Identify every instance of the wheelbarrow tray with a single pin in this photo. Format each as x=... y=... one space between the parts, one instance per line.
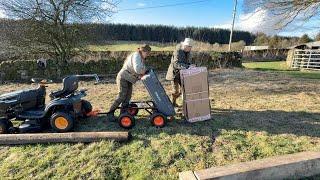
x=158 y=94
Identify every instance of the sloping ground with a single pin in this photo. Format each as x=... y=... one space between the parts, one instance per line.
x=255 y=115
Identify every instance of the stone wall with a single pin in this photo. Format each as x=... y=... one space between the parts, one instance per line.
x=103 y=63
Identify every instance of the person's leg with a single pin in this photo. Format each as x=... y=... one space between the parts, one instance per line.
x=175 y=92
x=126 y=102
x=123 y=91
x=179 y=88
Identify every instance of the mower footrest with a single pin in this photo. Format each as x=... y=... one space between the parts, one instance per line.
x=31 y=115
x=29 y=128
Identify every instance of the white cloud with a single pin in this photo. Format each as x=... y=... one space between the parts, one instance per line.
x=223 y=26
x=2 y=14
x=141 y=4
x=258 y=21
x=262 y=21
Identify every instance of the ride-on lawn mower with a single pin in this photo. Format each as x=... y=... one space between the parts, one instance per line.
x=65 y=107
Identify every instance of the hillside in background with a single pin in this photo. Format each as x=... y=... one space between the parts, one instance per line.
x=97 y=33
x=13 y=32
x=161 y=33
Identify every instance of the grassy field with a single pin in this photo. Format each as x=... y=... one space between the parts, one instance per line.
x=280 y=66
x=128 y=47
x=132 y=46
x=255 y=114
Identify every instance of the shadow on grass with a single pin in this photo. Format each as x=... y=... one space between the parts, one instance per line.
x=274 y=122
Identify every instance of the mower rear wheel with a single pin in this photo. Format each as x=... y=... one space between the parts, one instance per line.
x=158 y=120
x=132 y=109
x=126 y=121
x=4 y=126
x=86 y=108
x=61 y=122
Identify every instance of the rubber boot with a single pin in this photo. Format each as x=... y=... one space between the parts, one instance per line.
x=174 y=101
x=124 y=109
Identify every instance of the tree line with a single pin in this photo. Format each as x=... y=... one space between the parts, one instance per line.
x=11 y=30
x=162 y=33
x=277 y=41
x=96 y=33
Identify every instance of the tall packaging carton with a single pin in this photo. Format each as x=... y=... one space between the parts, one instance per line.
x=195 y=90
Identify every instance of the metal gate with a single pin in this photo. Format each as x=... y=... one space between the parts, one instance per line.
x=306 y=59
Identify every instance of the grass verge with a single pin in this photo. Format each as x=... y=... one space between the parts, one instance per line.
x=280 y=66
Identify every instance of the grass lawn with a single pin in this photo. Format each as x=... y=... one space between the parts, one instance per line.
x=128 y=46
x=255 y=114
x=280 y=66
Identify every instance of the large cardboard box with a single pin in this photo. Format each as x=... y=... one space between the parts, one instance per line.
x=195 y=90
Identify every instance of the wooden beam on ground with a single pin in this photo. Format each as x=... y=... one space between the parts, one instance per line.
x=187 y=175
x=73 y=137
x=291 y=166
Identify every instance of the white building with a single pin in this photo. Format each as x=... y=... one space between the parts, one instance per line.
x=254 y=48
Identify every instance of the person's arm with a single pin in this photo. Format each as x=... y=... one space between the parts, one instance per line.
x=138 y=65
x=178 y=60
x=191 y=60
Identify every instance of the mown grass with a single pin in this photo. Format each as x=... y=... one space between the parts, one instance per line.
x=255 y=115
x=128 y=47
x=280 y=66
x=156 y=46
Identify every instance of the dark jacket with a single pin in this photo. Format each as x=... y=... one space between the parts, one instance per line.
x=179 y=60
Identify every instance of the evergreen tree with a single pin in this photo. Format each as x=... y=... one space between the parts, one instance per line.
x=304 y=39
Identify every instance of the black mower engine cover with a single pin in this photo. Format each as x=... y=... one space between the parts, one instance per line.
x=28 y=99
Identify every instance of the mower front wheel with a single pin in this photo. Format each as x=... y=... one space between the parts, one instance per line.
x=61 y=122
x=158 y=120
x=126 y=121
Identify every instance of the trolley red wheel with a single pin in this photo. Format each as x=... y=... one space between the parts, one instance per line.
x=158 y=120
x=126 y=121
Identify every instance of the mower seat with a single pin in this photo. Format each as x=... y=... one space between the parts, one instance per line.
x=70 y=85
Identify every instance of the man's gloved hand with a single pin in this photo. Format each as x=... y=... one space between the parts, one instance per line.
x=184 y=67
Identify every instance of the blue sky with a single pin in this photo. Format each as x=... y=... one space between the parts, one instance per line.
x=211 y=13
x=208 y=13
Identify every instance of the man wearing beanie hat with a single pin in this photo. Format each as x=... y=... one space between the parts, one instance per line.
x=132 y=70
x=181 y=59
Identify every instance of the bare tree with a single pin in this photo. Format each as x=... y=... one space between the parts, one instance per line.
x=317 y=38
x=287 y=11
x=51 y=26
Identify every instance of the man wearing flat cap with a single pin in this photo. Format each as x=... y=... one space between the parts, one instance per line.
x=181 y=59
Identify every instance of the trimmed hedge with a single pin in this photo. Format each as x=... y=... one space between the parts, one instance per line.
x=103 y=63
